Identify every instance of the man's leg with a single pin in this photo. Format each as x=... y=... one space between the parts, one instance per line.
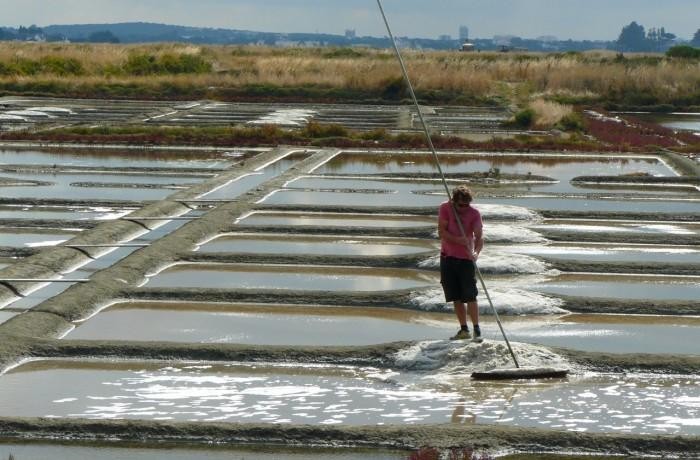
x=461 y=312
x=473 y=310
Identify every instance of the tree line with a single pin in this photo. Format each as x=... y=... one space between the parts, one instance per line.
x=634 y=38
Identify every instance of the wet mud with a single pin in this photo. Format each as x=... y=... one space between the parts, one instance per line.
x=393 y=437
x=48 y=223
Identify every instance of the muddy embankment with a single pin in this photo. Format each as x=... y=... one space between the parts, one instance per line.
x=479 y=437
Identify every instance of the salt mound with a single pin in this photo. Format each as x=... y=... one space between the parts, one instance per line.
x=285 y=117
x=459 y=358
x=504 y=233
x=506 y=300
x=500 y=264
x=506 y=212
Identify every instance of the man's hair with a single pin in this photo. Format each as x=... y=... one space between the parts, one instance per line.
x=462 y=193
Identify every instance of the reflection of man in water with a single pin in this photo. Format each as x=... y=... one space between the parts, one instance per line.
x=457 y=256
x=459 y=416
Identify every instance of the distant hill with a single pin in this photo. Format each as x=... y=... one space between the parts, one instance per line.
x=139 y=32
x=146 y=32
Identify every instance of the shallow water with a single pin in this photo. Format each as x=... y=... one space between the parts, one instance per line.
x=635 y=287
x=237 y=276
x=242 y=184
x=330 y=395
x=334 y=220
x=609 y=226
x=606 y=252
x=257 y=325
x=116 y=159
x=562 y=167
x=606 y=333
x=23 y=237
x=105 y=259
x=5 y=315
x=61 y=186
x=298 y=244
x=325 y=198
x=61 y=213
x=407 y=185
x=582 y=204
x=676 y=121
x=121 y=451
x=340 y=326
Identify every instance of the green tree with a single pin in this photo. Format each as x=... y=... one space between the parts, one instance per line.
x=633 y=38
x=683 y=51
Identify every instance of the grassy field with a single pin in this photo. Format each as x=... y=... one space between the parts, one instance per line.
x=178 y=71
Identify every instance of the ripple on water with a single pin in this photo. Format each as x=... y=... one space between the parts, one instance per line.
x=326 y=395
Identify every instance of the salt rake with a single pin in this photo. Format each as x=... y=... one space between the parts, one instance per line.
x=493 y=374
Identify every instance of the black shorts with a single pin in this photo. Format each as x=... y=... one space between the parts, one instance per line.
x=458 y=279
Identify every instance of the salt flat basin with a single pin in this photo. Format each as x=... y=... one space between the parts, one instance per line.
x=112 y=451
x=339 y=326
x=61 y=186
x=61 y=213
x=246 y=182
x=330 y=198
x=5 y=315
x=327 y=395
x=687 y=121
x=408 y=185
x=661 y=205
x=261 y=324
x=561 y=166
x=612 y=226
x=24 y=237
x=316 y=219
x=632 y=287
x=605 y=333
x=106 y=259
x=116 y=159
x=607 y=252
x=237 y=276
x=330 y=245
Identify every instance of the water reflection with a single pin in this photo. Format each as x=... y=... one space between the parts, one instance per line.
x=298 y=244
x=328 y=395
x=316 y=219
x=563 y=167
x=236 y=276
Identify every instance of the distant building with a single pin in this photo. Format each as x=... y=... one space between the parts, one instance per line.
x=445 y=38
x=466 y=46
x=350 y=34
x=503 y=40
x=463 y=33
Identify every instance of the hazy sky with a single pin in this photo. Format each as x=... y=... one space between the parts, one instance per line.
x=577 y=19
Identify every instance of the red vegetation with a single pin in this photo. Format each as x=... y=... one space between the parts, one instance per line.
x=632 y=134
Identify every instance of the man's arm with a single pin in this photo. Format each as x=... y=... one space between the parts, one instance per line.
x=478 y=240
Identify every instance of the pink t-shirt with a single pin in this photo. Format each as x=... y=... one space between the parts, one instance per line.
x=471 y=221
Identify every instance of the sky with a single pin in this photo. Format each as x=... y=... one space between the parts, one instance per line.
x=575 y=19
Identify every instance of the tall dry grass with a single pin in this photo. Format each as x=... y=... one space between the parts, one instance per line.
x=549 y=113
x=591 y=75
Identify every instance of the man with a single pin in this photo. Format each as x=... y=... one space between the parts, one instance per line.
x=458 y=255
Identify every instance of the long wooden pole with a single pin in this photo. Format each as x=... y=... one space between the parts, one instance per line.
x=442 y=175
